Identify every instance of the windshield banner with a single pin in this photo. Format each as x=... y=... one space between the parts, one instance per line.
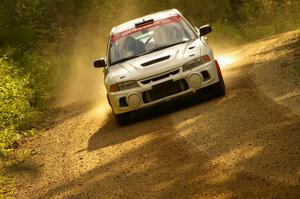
x=173 y=19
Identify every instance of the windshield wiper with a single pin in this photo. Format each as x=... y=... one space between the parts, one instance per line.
x=126 y=59
x=164 y=47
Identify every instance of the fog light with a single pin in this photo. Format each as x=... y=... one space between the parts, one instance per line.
x=134 y=100
x=195 y=80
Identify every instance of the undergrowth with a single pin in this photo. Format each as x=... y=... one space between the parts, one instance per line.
x=296 y=65
x=17 y=117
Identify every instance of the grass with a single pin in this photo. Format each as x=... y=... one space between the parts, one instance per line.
x=6 y=187
x=10 y=139
x=297 y=56
x=297 y=66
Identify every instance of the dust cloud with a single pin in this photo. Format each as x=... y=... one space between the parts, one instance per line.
x=85 y=83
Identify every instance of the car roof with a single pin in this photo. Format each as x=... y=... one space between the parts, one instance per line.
x=155 y=16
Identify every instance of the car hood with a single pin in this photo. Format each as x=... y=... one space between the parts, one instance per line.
x=155 y=63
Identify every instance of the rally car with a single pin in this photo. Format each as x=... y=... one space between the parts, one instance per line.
x=156 y=58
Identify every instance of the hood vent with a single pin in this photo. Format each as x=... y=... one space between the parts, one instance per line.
x=157 y=78
x=155 y=61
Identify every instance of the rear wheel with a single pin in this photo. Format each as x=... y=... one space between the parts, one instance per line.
x=123 y=119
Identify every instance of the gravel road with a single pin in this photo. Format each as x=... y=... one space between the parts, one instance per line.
x=244 y=145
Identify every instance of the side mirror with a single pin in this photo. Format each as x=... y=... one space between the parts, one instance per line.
x=99 y=63
x=204 y=30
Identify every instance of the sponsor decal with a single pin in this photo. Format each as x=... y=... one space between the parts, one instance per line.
x=173 y=19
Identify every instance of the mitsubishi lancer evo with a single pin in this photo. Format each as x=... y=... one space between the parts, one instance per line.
x=156 y=58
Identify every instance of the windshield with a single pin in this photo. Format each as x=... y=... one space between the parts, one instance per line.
x=148 y=38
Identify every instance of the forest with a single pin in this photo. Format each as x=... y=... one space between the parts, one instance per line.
x=40 y=39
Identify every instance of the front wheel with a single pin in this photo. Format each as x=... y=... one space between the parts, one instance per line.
x=218 y=89
x=123 y=119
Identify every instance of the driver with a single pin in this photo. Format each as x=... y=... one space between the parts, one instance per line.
x=132 y=47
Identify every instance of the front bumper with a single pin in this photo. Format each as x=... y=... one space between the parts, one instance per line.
x=163 y=87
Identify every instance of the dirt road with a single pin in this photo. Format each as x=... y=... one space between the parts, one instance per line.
x=244 y=145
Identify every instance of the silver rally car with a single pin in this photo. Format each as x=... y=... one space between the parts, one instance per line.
x=156 y=58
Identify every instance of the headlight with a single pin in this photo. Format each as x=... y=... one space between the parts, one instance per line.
x=123 y=86
x=196 y=62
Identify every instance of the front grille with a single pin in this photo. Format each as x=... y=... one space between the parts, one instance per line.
x=165 y=89
x=160 y=77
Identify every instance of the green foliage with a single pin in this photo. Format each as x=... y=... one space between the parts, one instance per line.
x=15 y=96
x=16 y=113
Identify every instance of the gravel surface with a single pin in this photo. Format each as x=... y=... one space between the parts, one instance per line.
x=244 y=145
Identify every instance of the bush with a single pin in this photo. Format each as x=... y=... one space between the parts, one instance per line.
x=15 y=96
x=15 y=110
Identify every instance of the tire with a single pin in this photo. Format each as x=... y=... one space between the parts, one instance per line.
x=123 y=119
x=218 y=89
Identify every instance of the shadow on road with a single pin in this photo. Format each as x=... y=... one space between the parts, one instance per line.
x=110 y=134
